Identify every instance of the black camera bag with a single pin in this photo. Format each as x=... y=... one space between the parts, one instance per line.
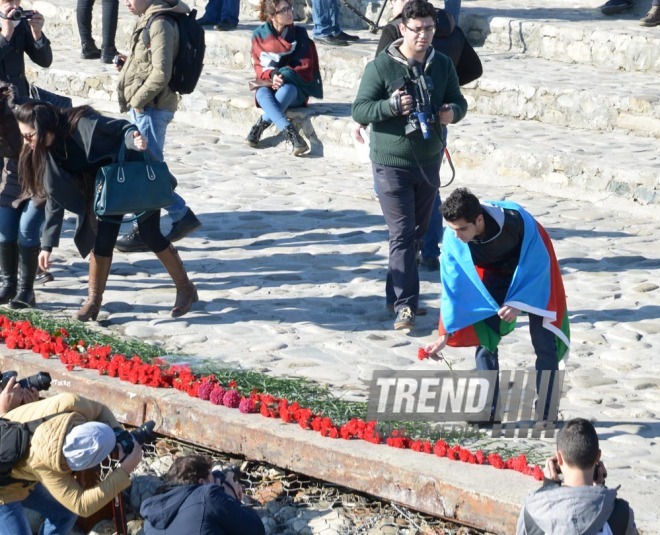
x=15 y=440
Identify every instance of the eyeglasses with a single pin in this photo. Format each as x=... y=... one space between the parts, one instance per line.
x=29 y=136
x=284 y=10
x=423 y=29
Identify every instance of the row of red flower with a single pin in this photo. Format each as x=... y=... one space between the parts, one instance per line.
x=159 y=374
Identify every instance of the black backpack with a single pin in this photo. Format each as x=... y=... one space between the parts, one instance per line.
x=189 y=59
x=15 y=440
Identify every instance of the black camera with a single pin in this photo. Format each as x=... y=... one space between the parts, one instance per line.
x=20 y=13
x=418 y=87
x=40 y=381
x=142 y=434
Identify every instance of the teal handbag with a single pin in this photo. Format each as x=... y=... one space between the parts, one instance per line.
x=132 y=186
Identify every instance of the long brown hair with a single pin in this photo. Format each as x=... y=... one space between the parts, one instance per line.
x=45 y=119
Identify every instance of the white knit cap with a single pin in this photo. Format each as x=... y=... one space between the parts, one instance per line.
x=86 y=445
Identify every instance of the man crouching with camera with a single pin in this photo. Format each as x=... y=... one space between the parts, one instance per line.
x=76 y=434
x=574 y=498
x=407 y=93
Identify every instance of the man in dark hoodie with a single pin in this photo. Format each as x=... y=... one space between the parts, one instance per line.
x=580 y=504
x=194 y=501
x=406 y=154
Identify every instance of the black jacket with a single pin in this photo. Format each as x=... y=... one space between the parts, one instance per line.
x=94 y=143
x=198 y=510
x=12 y=71
x=12 y=59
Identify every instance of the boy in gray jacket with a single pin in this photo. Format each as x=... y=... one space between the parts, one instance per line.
x=580 y=504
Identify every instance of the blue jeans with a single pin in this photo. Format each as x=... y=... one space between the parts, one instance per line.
x=58 y=520
x=221 y=11
x=453 y=7
x=325 y=14
x=22 y=224
x=152 y=124
x=275 y=103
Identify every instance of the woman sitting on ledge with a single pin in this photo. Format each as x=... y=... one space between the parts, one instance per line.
x=285 y=61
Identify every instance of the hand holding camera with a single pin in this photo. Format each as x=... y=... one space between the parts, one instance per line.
x=119 y=61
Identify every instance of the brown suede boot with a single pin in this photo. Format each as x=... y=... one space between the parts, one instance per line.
x=99 y=269
x=186 y=293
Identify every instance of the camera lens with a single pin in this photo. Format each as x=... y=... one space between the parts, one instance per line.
x=144 y=433
x=40 y=381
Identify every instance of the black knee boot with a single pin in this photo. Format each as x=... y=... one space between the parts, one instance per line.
x=28 y=260
x=109 y=30
x=9 y=268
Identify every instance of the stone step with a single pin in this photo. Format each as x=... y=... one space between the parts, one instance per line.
x=567 y=31
x=610 y=164
x=513 y=85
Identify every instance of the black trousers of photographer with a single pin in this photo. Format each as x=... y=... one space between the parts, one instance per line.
x=406 y=196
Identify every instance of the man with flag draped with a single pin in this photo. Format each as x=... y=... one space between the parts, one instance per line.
x=498 y=261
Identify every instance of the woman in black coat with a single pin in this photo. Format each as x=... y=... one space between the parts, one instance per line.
x=62 y=152
x=20 y=217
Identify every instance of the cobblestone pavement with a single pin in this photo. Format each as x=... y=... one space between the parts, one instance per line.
x=290 y=266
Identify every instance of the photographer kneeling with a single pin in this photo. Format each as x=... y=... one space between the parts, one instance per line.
x=196 y=500
x=79 y=438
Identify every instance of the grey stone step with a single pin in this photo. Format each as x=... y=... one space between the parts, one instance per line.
x=565 y=31
x=611 y=164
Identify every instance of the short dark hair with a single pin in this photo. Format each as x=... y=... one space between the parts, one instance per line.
x=461 y=204
x=578 y=443
x=417 y=9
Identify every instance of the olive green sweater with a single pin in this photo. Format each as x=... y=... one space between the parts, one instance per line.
x=389 y=144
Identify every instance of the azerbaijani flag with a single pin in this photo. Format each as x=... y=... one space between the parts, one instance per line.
x=536 y=288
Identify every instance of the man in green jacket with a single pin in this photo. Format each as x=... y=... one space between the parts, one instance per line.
x=143 y=91
x=406 y=145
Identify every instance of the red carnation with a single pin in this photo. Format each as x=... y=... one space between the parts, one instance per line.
x=422 y=354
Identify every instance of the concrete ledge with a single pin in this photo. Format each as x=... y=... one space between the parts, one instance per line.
x=479 y=496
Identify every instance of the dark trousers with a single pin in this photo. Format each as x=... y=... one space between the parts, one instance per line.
x=108 y=19
x=149 y=225
x=406 y=197
x=543 y=340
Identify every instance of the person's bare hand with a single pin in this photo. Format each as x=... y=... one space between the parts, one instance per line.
x=551 y=469
x=140 y=141
x=133 y=459
x=36 y=24
x=357 y=133
x=600 y=473
x=6 y=26
x=44 y=260
x=11 y=396
x=446 y=115
x=433 y=349
x=122 y=59
x=278 y=81
x=508 y=314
